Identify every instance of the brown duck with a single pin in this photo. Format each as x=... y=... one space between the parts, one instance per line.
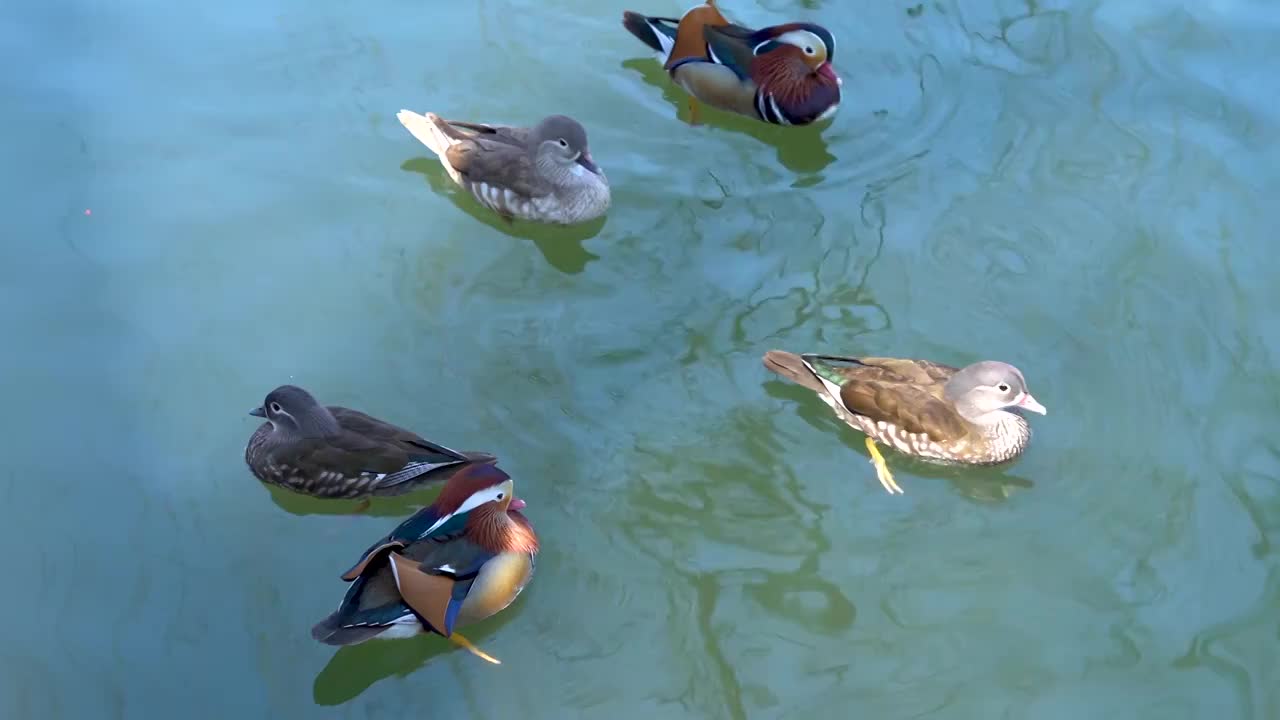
x=922 y=408
x=337 y=452
x=541 y=174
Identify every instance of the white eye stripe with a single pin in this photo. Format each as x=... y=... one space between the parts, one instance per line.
x=476 y=500
x=808 y=42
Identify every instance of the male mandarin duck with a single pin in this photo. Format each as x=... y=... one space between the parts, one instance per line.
x=780 y=74
x=921 y=408
x=542 y=174
x=462 y=559
x=336 y=452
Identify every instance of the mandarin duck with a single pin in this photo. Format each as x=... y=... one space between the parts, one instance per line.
x=921 y=408
x=460 y=560
x=336 y=452
x=780 y=74
x=543 y=174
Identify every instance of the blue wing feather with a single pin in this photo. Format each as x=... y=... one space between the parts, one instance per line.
x=732 y=46
x=412 y=530
x=455 y=605
x=464 y=561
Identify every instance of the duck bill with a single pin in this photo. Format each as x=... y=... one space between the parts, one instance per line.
x=829 y=72
x=258 y=412
x=516 y=504
x=1029 y=403
x=584 y=159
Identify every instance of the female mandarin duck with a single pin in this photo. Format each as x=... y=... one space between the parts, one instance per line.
x=921 y=408
x=542 y=174
x=336 y=452
x=780 y=74
x=460 y=560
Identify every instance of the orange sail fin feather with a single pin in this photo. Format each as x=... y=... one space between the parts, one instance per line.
x=691 y=41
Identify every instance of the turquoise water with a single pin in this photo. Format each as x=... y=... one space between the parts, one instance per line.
x=206 y=201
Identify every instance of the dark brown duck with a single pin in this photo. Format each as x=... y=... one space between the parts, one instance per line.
x=336 y=452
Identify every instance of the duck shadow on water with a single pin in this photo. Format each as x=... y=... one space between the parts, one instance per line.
x=982 y=484
x=397 y=506
x=801 y=150
x=560 y=245
x=356 y=668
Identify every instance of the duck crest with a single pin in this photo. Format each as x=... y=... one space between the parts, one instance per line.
x=771 y=33
x=466 y=483
x=790 y=93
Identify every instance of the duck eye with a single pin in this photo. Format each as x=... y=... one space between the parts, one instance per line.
x=275 y=407
x=808 y=50
x=563 y=143
x=1002 y=387
x=501 y=495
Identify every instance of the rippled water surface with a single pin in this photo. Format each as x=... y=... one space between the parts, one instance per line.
x=205 y=200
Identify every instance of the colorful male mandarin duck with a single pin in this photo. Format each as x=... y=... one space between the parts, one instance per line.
x=543 y=174
x=335 y=452
x=921 y=408
x=780 y=74
x=462 y=559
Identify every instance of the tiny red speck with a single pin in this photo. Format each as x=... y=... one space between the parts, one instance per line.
x=87 y=211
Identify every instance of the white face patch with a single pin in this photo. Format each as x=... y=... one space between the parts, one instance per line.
x=489 y=494
x=803 y=39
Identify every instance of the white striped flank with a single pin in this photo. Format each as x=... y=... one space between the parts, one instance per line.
x=777 y=111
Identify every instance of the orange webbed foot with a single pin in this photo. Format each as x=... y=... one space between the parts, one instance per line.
x=465 y=643
x=695 y=117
